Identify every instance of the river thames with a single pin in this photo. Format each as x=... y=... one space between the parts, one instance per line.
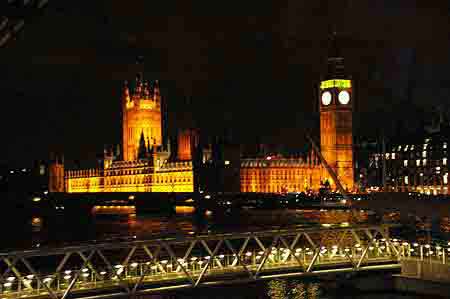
x=123 y=223
x=111 y=224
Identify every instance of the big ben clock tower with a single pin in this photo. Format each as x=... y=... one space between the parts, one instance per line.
x=336 y=108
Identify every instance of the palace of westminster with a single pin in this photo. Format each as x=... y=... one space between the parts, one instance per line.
x=148 y=165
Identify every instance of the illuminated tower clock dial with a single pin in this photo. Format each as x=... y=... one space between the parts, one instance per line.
x=344 y=97
x=326 y=98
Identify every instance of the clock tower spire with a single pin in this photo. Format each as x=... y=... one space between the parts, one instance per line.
x=336 y=117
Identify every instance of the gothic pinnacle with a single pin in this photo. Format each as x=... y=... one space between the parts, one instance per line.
x=146 y=92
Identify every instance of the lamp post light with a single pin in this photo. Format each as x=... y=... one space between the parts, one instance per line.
x=119 y=269
x=193 y=263
x=7 y=286
x=222 y=258
x=133 y=268
x=47 y=281
x=102 y=275
x=164 y=265
x=84 y=274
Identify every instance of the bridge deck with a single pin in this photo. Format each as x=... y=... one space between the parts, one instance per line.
x=108 y=270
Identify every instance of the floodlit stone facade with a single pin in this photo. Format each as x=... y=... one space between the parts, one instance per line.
x=145 y=165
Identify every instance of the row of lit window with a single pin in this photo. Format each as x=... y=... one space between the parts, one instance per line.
x=393 y=156
x=147 y=180
x=411 y=148
x=444 y=179
x=424 y=162
x=429 y=190
x=265 y=188
x=263 y=171
x=272 y=180
x=290 y=175
x=256 y=188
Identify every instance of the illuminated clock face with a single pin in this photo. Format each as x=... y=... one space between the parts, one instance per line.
x=326 y=98
x=344 y=97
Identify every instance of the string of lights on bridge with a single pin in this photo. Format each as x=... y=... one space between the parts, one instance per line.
x=196 y=267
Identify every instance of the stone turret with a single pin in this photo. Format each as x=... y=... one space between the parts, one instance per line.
x=141 y=114
x=56 y=181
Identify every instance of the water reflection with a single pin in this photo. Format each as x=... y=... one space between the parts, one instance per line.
x=36 y=224
x=445 y=224
x=317 y=289
x=107 y=224
x=282 y=289
x=301 y=288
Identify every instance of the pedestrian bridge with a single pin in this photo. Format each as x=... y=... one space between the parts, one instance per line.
x=122 y=269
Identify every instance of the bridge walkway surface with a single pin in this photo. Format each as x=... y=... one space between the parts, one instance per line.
x=112 y=270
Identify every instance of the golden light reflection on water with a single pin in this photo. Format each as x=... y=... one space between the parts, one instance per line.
x=282 y=289
x=343 y=216
x=183 y=210
x=445 y=225
x=126 y=223
x=36 y=221
x=113 y=210
x=36 y=224
x=146 y=227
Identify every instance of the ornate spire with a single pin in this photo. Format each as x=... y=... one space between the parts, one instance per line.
x=156 y=93
x=334 y=50
x=142 y=151
x=151 y=153
x=146 y=92
x=149 y=147
x=335 y=59
x=126 y=91
x=138 y=89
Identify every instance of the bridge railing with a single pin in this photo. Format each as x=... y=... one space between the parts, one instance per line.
x=188 y=261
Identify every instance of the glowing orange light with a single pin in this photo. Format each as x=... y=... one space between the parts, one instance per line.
x=184 y=209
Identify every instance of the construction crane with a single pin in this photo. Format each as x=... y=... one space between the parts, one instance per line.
x=14 y=14
x=330 y=170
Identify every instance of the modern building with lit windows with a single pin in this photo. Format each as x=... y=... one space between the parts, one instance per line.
x=419 y=165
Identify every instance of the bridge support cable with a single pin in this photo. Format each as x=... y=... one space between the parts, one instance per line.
x=367 y=248
x=313 y=261
x=241 y=251
x=142 y=267
x=112 y=270
x=238 y=257
x=211 y=258
x=310 y=241
x=146 y=271
x=180 y=263
x=212 y=255
x=40 y=281
x=11 y=267
x=187 y=253
x=291 y=248
x=77 y=275
x=61 y=264
x=389 y=244
x=265 y=256
x=154 y=257
x=88 y=264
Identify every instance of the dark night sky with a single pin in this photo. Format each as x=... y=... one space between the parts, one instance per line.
x=249 y=67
